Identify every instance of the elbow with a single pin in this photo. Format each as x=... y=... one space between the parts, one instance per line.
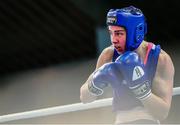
x=87 y=99
x=84 y=100
x=82 y=97
x=162 y=115
x=85 y=96
x=165 y=114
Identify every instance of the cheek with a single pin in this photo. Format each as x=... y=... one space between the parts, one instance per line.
x=122 y=40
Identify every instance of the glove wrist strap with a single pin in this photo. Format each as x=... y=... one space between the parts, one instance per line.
x=94 y=90
x=142 y=91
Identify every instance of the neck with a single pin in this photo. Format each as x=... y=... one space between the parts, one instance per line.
x=141 y=47
x=141 y=50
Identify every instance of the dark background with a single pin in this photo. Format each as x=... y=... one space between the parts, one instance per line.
x=36 y=34
x=39 y=33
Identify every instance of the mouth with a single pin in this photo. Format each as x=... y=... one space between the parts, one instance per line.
x=118 y=48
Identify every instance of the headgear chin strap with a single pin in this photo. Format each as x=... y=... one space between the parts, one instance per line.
x=133 y=20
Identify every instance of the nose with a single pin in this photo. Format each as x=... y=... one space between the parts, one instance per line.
x=114 y=40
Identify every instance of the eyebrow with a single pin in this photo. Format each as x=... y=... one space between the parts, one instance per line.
x=118 y=31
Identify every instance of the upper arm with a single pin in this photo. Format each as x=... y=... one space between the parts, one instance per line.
x=164 y=78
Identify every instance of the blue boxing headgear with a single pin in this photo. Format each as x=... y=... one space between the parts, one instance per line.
x=133 y=20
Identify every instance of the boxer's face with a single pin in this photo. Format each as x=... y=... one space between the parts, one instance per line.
x=118 y=37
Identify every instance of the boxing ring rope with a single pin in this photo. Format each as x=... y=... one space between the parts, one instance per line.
x=63 y=109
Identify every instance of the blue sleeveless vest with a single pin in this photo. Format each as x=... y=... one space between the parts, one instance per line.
x=123 y=98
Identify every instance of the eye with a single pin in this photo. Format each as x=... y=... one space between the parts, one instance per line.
x=119 y=34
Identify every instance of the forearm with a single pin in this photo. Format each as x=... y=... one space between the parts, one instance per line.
x=85 y=95
x=156 y=106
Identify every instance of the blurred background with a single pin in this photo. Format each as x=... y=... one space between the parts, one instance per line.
x=48 y=48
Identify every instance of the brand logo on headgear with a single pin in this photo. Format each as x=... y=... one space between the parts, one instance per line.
x=111 y=20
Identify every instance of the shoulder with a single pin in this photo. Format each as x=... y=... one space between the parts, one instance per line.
x=165 y=64
x=105 y=56
x=108 y=52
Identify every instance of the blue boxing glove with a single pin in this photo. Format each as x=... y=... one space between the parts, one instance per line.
x=104 y=76
x=134 y=73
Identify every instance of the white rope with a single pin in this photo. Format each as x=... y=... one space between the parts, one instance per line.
x=63 y=109
x=176 y=91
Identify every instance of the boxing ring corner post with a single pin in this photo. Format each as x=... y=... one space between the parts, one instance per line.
x=63 y=109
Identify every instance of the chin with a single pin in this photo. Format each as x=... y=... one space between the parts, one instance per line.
x=120 y=51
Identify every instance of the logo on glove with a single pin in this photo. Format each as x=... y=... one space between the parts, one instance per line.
x=138 y=72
